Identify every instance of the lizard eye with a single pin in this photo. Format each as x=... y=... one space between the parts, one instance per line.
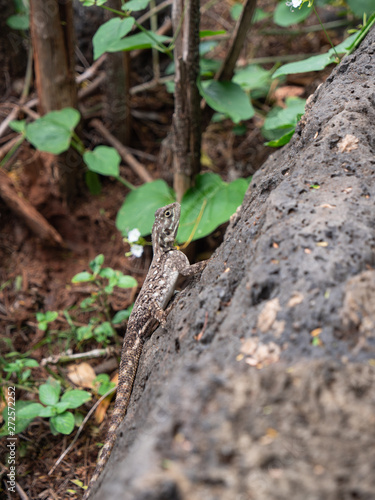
x=168 y=213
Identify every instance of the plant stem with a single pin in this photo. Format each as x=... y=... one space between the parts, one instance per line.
x=12 y=150
x=327 y=35
x=126 y=183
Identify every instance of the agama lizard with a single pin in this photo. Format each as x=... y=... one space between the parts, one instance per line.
x=167 y=263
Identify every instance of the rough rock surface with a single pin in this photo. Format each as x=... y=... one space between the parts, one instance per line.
x=262 y=386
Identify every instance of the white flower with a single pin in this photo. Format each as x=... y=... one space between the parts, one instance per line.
x=294 y=3
x=136 y=250
x=134 y=235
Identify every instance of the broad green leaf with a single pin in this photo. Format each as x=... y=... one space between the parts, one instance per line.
x=21 y=422
x=103 y=160
x=120 y=316
x=75 y=398
x=50 y=316
x=211 y=199
x=135 y=5
x=19 y=21
x=228 y=98
x=206 y=46
x=31 y=363
x=315 y=63
x=360 y=7
x=284 y=139
x=141 y=41
x=49 y=393
x=104 y=331
x=107 y=272
x=96 y=264
x=64 y=422
x=60 y=407
x=204 y=33
x=235 y=11
x=109 y=34
x=47 y=411
x=30 y=411
x=285 y=16
x=252 y=77
x=343 y=47
x=82 y=277
x=18 y=125
x=127 y=282
x=84 y=332
x=52 y=132
x=139 y=207
x=282 y=118
x=89 y=3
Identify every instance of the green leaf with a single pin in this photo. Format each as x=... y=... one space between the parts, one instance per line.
x=360 y=7
x=108 y=36
x=206 y=46
x=204 y=33
x=52 y=132
x=49 y=393
x=30 y=411
x=141 y=41
x=75 y=398
x=50 y=316
x=64 y=422
x=105 y=384
x=47 y=411
x=104 y=331
x=31 y=363
x=21 y=421
x=213 y=200
x=84 y=332
x=139 y=208
x=107 y=272
x=135 y=5
x=315 y=63
x=82 y=277
x=228 y=98
x=61 y=406
x=284 y=139
x=252 y=77
x=281 y=118
x=121 y=316
x=18 y=126
x=19 y=21
x=96 y=264
x=93 y=182
x=88 y=302
x=127 y=282
x=103 y=160
x=284 y=16
x=235 y=11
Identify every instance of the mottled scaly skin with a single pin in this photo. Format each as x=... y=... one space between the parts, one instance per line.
x=166 y=265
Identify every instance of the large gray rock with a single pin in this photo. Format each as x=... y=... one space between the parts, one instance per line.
x=262 y=386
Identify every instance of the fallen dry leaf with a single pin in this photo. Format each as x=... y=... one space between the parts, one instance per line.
x=101 y=410
x=82 y=375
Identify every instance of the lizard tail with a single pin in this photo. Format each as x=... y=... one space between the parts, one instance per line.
x=131 y=352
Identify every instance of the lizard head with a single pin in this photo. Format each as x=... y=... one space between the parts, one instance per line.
x=165 y=227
